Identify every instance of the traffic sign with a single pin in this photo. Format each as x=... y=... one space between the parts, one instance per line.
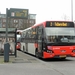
x=18 y=13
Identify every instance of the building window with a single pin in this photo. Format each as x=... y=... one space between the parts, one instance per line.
x=26 y=21
x=32 y=16
x=30 y=21
x=0 y=20
x=4 y=20
x=15 y=21
x=4 y=25
x=16 y=25
x=12 y=14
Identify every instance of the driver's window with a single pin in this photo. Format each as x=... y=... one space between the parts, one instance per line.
x=51 y=38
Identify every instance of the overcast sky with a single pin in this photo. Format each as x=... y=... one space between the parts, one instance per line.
x=45 y=9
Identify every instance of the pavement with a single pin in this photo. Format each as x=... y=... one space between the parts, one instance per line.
x=10 y=59
x=21 y=58
x=25 y=64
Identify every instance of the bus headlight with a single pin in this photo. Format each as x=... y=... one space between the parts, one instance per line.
x=73 y=50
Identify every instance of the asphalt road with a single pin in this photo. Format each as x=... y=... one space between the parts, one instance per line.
x=64 y=67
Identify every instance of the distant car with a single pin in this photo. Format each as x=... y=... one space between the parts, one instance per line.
x=18 y=46
x=18 y=39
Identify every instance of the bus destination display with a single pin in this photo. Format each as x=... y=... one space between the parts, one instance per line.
x=59 y=24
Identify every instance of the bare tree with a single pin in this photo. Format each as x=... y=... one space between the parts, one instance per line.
x=65 y=17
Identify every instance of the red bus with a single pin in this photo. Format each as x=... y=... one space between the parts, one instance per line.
x=18 y=39
x=44 y=40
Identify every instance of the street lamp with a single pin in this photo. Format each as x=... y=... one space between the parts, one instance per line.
x=72 y=10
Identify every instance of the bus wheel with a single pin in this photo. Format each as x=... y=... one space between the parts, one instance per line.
x=36 y=53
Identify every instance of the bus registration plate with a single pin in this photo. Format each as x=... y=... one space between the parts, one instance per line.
x=62 y=56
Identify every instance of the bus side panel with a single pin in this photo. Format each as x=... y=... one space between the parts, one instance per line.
x=23 y=46
x=31 y=48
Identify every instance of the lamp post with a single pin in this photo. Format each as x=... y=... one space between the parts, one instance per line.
x=72 y=10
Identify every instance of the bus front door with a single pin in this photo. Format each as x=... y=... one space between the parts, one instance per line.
x=40 y=34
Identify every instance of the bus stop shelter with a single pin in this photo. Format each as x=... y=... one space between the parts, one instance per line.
x=11 y=37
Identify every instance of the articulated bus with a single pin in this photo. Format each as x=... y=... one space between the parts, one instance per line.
x=45 y=40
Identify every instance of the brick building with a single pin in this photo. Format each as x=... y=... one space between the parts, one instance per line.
x=18 y=23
